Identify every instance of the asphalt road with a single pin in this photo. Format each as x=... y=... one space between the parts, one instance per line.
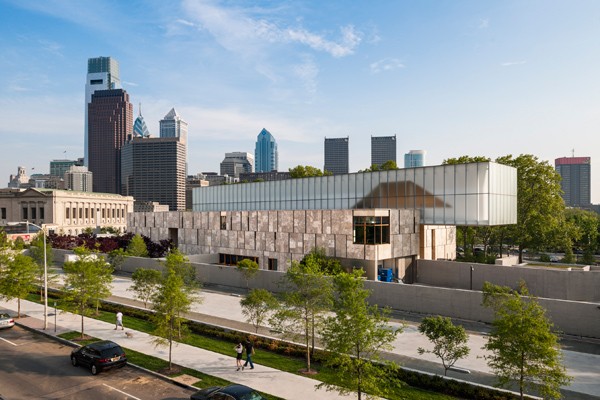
x=35 y=367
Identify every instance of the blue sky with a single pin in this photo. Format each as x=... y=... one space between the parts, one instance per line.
x=450 y=77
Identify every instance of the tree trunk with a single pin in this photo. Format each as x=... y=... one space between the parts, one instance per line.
x=306 y=339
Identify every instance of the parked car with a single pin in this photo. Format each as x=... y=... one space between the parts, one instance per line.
x=99 y=356
x=231 y=392
x=6 y=321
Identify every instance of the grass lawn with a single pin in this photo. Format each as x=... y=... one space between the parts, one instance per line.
x=262 y=356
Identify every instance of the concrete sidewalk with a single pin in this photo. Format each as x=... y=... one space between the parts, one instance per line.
x=264 y=379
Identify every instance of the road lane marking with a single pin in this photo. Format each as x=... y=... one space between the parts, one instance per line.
x=8 y=341
x=122 y=392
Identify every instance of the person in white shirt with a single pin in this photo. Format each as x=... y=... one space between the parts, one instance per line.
x=119 y=321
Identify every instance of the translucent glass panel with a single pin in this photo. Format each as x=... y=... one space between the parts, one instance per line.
x=464 y=194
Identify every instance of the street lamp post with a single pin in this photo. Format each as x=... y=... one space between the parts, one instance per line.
x=472 y=269
x=45 y=273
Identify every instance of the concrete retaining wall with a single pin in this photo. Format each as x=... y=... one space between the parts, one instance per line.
x=553 y=283
x=571 y=317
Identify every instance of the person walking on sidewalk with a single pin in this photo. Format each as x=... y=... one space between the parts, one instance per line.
x=119 y=321
x=249 y=353
x=239 y=349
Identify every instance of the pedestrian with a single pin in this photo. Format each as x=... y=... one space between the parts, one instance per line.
x=239 y=349
x=249 y=353
x=119 y=321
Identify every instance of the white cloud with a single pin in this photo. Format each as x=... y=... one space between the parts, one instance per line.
x=386 y=64
x=184 y=22
x=237 y=30
x=308 y=72
x=127 y=83
x=484 y=23
x=511 y=63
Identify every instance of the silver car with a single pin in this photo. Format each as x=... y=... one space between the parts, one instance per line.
x=6 y=321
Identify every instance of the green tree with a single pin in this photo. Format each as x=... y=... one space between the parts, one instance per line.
x=522 y=343
x=355 y=336
x=137 y=247
x=587 y=223
x=36 y=250
x=449 y=340
x=116 y=258
x=306 y=297
x=248 y=269
x=305 y=171
x=257 y=306
x=327 y=265
x=386 y=166
x=465 y=160
x=172 y=300
x=145 y=284
x=18 y=279
x=540 y=207
x=87 y=280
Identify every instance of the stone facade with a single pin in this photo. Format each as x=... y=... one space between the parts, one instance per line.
x=281 y=236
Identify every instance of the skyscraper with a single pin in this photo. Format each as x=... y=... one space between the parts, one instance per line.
x=102 y=74
x=173 y=126
x=153 y=170
x=336 y=155
x=414 y=158
x=139 y=126
x=576 y=180
x=265 y=153
x=237 y=162
x=110 y=123
x=59 y=167
x=383 y=148
x=79 y=179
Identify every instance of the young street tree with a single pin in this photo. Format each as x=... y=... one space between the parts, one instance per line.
x=36 y=250
x=449 y=340
x=328 y=265
x=145 y=284
x=306 y=297
x=88 y=279
x=116 y=258
x=173 y=298
x=137 y=247
x=257 y=306
x=248 y=268
x=354 y=337
x=18 y=279
x=524 y=348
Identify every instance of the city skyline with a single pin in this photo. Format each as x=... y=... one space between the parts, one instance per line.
x=459 y=78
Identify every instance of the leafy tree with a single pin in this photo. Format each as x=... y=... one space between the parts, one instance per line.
x=87 y=279
x=145 y=284
x=4 y=241
x=449 y=340
x=540 y=207
x=172 y=299
x=587 y=223
x=305 y=171
x=524 y=348
x=386 y=166
x=19 y=243
x=137 y=247
x=306 y=297
x=327 y=265
x=248 y=268
x=257 y=306
x=355 y=337
x=465 y=160
x=116 y=258
x=18 y=279
x=36 y=250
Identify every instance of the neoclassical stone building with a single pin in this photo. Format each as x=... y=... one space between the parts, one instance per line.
x=63 y=211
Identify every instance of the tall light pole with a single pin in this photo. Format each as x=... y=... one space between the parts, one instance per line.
x=45 y=273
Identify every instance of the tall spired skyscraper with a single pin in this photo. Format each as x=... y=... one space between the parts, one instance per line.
x=173 y=126
x=102 y=74
x=266 y=157
x=110 y=123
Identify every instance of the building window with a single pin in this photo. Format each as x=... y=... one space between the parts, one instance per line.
x=33 y=213
x=67 y=212
x=371 y=230
x=25 y=213
x=103 y=213
x=74 y=213
x=3 y=212
x=272 y=264
x=223 y=222
x=233 y=259
x=80 y=213
x=42 y=216
x=87 y=213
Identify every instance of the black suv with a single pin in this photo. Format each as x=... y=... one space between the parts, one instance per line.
x=99 y=356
